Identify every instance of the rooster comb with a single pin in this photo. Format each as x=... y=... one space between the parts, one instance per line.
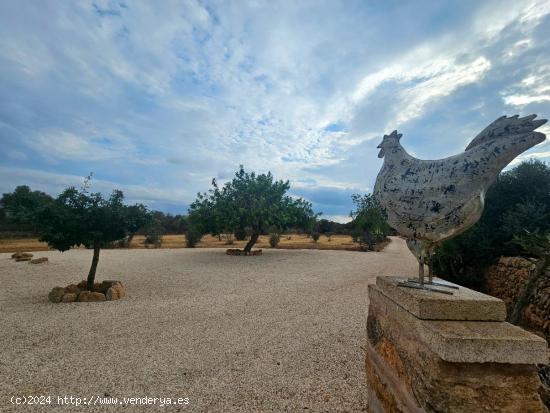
x=394 y=134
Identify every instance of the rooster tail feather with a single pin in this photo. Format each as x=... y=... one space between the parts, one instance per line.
x=506 y=126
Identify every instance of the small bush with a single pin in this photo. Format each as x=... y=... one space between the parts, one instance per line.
x=192 y=237
x=274 y=240
x=315 y=236
x=367 y=240
x=153 y=238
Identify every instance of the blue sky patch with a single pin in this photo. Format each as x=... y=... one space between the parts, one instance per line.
x=158 y=98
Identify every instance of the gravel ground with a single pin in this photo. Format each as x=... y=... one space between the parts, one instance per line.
x=278 y=332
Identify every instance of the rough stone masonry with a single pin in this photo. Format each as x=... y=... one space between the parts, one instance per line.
x=415 y=364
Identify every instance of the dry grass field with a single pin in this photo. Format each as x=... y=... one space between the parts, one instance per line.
x=288 y=241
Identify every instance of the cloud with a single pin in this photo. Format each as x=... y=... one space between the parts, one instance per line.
x=64 y=145
x=54 y=183
x=168 y=95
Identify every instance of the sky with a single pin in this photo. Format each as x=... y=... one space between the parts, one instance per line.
x=156 y=98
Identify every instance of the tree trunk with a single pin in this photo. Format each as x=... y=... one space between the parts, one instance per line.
x=95 y=260
x=251 y=242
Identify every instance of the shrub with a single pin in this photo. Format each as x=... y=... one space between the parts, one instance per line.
x=367 y=240
x=369 y=226
x=274 y=240
x=315 y=236
x=153 y=238
x=192 y=237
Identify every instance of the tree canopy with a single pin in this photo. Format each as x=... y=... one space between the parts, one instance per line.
x=77 y=217
x=250 y=200
x=20 y=206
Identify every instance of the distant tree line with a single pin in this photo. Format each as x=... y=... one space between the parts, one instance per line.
x=17 y=207
x=244 y=208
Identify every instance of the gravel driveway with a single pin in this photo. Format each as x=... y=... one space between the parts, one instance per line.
x=278 y=332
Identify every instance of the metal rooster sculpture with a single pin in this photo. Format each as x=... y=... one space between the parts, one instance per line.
x=429 y=201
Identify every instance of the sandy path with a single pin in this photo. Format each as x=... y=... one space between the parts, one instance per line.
x=279 y=332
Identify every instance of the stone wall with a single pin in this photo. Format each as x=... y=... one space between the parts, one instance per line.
x=418 y=365
x=525 y=288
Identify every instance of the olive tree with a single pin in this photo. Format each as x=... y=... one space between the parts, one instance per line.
x=250 y=200
x=369 y=224
x=77 y=217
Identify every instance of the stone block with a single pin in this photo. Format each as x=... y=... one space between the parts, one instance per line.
x=69 y=297
x=464 y=304
x=17 y=255
x=115 y=291
x=237 y=251
x=39 y=260
x=72 y=288
x=56 y=294
x=90 y=296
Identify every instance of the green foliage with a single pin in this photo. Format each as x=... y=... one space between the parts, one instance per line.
x=324 y=226
x=315 y=236
x=154 y=239
x=77 y=217
x=240 y=234
x=170 y=224
x=249 y=200
x=369 y=225
x=154 y=230
x=19 y=208
x=192 y=236
x=274 y=240
x=533 y=243
x=515 y=221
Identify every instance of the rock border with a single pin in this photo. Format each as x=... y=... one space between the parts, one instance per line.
x=104 y=291
x=237 y=251
x=21 y=256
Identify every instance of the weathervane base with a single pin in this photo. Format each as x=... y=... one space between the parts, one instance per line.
x=426 y=286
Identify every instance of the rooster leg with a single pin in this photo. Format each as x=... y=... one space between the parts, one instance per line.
x=421 y=251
